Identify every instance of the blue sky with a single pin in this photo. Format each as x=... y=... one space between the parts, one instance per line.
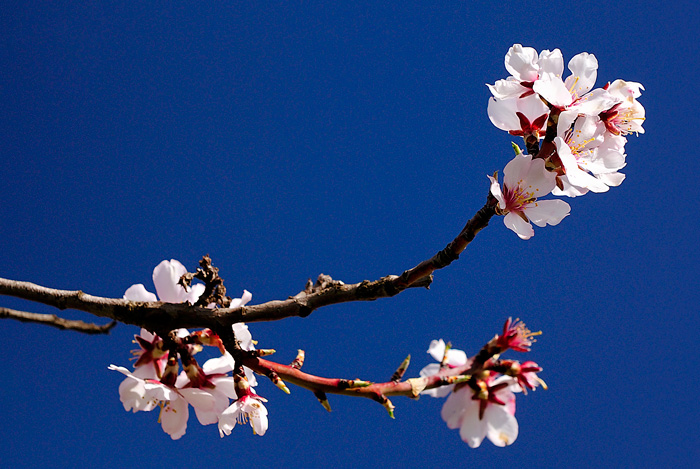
x=352 y=140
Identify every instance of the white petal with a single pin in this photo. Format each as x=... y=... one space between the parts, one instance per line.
x=198 y=398
x=194 y=291
x=547 y=212
x=521 y=62
x=532 y=106
x=538 y=182
x=166 y=276
x=584 y=70
x=551 y=62
x=228 y=418
x=552 y=88
x=455 y=406
x=496 y=192
x=472 y=431
x=501 y=426
x=509 y=88
x=217 y=365
x=515 y=171
x=502 y=113
x=522 y=228
x=612 y=179
x=173 y=418
x=139 y=293
x=437 y=349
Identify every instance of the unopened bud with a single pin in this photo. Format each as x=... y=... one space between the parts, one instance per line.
x=357 y=383
x=321 y=396
x=263 y=352
x=274 y=377
x=516 y=148
x=398 y=374
x=299 y=360
x=389 y=407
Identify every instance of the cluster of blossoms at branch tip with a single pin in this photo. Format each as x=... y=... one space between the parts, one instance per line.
x=483 y=406
x=582 y=132
x=156 y=381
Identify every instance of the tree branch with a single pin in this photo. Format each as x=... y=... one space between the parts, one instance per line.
x=160 y=316
x=55 y=321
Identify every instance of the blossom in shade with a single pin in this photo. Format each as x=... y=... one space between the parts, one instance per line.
x=524 y=181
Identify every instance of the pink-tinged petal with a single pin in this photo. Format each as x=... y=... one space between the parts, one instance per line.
x=547 y=212
x=584 y=70
x=509 y=88
x=552 y=88
x=166 y=276
x=496 y=192
x=173 y=418
x=551 y=62
x=139 y=293
x=456 y=405
x=501 y=425
x=521 y=62
x=522 y=228
x=502 y=113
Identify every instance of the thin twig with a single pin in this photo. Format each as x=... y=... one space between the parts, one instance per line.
x=55 y=321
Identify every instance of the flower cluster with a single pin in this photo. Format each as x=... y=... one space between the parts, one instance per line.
x=583 y=130
x=484 y=405
x=157 y=381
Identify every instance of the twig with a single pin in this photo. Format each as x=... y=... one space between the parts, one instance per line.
x=55 y=321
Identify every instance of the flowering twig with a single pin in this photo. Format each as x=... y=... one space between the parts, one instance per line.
x=58 y=322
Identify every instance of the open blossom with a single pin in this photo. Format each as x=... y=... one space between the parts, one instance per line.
x=524 y=181
x=248 y=408
x=166 y=276
x=490 y=413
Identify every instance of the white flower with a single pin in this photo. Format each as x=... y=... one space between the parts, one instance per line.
x=139 y=394
x=526 y=69
x=524 y=181
x=455 y=358
x=166 y=276
x=476 y=418
x=247 y=408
